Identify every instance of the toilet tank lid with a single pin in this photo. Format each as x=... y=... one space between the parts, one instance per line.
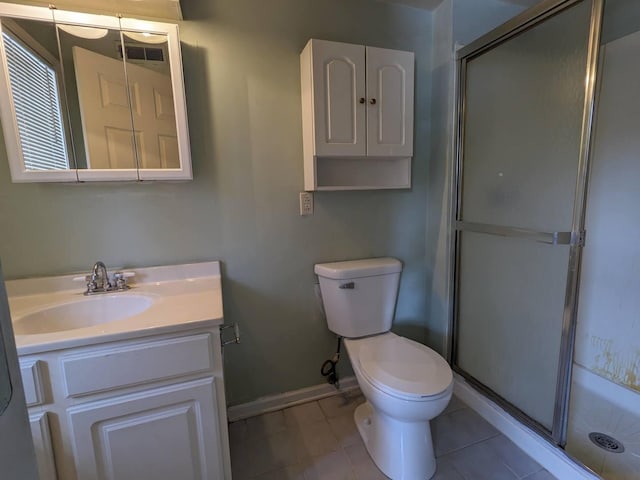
x=367 y=267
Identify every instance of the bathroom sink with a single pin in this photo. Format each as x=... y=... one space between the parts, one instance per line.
x=81 y=313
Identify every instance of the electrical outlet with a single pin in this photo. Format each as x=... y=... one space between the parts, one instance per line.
x=306 y=203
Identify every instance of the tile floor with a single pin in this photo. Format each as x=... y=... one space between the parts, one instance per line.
x=319 y=441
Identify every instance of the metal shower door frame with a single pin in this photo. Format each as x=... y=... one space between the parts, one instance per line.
x=575 y=238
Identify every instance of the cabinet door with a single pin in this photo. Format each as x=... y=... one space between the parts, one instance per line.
x=166 y=433
x=41 y=434
x=338 y=89
x=389 y=102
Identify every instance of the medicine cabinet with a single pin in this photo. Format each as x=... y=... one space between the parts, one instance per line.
x=91 y=97
x=357 y=116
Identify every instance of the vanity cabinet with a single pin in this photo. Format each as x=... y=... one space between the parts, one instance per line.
x=164 y=433
x=357 y=116
x=41 y=433
x=151 y=407
x=37 y=395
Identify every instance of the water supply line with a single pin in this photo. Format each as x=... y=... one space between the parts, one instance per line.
x=328 y=368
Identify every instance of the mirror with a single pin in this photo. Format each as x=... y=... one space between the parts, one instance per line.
x=110 y=100
x=98 y=102
x=154 y=118
x=35 y=79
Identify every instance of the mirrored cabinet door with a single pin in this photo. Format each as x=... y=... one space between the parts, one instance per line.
x=98 y=101
x=153 y=113
x=39 y=142
x=154 y=72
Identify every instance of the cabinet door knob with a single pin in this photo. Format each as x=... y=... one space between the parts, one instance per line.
x=361 y=99
x=372 y=101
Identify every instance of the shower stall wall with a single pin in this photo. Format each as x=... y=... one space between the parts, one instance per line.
x=604 y=414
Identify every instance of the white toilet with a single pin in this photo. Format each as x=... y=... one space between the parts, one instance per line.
x=406 y=384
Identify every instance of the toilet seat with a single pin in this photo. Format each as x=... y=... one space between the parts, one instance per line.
x=404 y=368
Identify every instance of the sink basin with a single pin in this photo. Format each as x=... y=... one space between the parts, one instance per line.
x=81 y=313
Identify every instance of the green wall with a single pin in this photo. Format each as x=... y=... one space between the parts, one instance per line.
x=241 y=68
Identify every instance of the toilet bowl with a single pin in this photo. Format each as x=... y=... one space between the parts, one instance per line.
x=403 y=395
x=405 y=383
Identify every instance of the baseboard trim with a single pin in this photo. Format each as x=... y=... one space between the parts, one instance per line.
x=279 y=401
x=553 y=459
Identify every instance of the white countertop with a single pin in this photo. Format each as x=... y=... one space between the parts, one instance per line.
x=183 y=296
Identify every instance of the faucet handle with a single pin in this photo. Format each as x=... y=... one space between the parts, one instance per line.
x=120 y=279
x=83 y=278
x=90 y=282
x=92 y=286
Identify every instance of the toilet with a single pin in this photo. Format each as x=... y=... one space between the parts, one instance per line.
x=405 y=383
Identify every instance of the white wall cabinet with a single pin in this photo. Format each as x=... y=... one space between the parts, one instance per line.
x=357 y=116
x=151 y=407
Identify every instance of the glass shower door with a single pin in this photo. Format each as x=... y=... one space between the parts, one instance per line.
x=522 y=153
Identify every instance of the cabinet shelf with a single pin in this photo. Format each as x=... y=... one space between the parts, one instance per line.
x=362 y=173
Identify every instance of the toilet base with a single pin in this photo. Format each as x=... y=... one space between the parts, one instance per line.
x=401 y=450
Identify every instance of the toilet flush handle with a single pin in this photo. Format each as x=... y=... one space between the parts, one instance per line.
x=348 y=286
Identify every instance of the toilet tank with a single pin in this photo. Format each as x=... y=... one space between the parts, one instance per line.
x=359 y=296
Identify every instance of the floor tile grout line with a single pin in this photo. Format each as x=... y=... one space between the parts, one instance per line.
x=468 y=445
x=452 y=465
x=449 y=412
x=524 y=477
x=516 y=474
x=351 y=465
x=535 y=473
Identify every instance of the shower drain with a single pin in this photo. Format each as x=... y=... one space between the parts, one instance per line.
x=606 y=442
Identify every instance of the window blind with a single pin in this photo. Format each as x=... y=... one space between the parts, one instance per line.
x=35 y=97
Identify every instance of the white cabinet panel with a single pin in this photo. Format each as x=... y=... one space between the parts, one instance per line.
x=99 y=369
x=32 y=381
x=390 y=109
x=41 y=434
x=339 y=84
x=164 y=434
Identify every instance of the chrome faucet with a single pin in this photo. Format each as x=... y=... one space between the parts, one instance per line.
x=99 y=278
x=98 y=281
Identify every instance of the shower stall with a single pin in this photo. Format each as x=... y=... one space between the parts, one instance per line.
x=546 y=317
